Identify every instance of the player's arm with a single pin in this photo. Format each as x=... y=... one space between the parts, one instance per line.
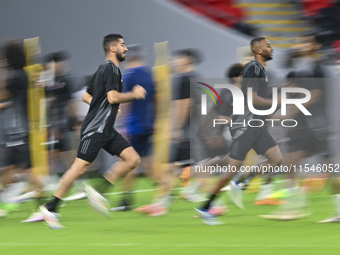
x=5 y=94
x=87 y=98
x=115 y=97
x=4 y=105
x=111 y=83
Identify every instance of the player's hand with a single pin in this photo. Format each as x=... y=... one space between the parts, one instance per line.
x=139 y=92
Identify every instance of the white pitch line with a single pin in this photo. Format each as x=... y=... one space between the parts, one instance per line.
x=137 y=191
x=171 y=245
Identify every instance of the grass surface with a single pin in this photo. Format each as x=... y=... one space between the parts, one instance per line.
x=178 y=232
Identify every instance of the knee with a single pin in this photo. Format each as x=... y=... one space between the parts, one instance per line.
x=80 y=167
x=82 y=170
x=134 y=161
x=277 y=161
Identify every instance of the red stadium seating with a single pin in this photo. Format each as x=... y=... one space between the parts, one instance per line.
x=221 y=11
x=313 y=7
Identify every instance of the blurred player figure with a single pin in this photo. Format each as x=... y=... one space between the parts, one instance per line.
x=3 y=150
x=184 y=66
x=246 y=138
x=310 y=137
x=138 y=117
x=213 y=141
x=104 y=96
x=61 y=116
x=16 y=153
x=61 y=112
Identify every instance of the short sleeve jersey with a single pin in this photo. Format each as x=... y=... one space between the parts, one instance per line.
x=142 y=115
x=255 y=77
x=102 y=115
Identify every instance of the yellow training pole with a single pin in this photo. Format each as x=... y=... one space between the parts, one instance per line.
x=36 y=110
x=162 y=79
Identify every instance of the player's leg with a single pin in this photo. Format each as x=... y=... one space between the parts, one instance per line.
x=265 y=145
x=335 y=187
x=78 y=169
x=295 y=206
x=87 y=152
x=335 y=190
x=49 y=210
x=141 y=144
x=3 y=171
x=129 y=161
x=238 y=150
x=203 y=212
x=234 y=164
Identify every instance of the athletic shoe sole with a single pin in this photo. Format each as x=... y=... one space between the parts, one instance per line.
x=97 y=202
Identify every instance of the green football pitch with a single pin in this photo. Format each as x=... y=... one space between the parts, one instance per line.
x=178 y=232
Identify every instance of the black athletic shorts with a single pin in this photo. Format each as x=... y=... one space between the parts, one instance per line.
x=90 y=146
x=252 y=138
x=315 y=143
x=16 y=153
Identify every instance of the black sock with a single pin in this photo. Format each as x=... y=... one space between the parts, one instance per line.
x=127 y=197
x=52 y=206
x=208 y=204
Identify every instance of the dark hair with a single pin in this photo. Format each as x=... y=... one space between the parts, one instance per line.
x=61 y=56
x=57 y=57
x=194 y=54
x=136 y=52
x=14 y=53
x=256 y=40
x=109 y=39
x=234 y=71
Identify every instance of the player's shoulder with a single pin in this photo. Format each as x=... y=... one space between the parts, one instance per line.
x=109 y=66
x=252 y=69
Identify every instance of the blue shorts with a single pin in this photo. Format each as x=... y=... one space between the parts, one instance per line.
x=142 y=144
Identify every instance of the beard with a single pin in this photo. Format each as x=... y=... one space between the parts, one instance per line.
x=120 y=57
x=268 y=57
